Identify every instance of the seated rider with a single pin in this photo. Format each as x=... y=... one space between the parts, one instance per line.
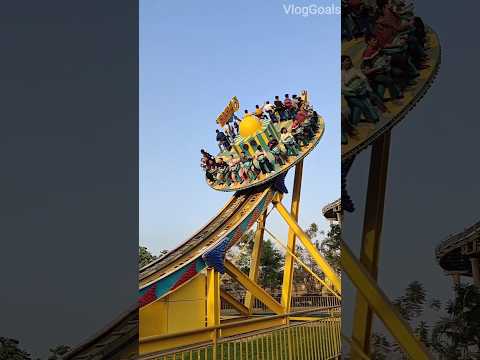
x=222 y=140
x=223 y=172
x=247 y=171
x=289 y=108
x=258 y=112
x=270 y=110
x=234 y=168
x=298 y=133
x=280 y=156
x=265 y=164
x=289 y=142
x=280 y=108
x=208 y=165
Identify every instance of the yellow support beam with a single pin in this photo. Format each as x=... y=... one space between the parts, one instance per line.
x=251 y=286
x=382 y=307
x=302 y=264
x=255 y=259
x=289 y=263
x=372 y=229
x=237 y=305
x=213 y=297
x=307 y=243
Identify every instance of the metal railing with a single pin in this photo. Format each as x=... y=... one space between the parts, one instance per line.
x=292 y=339
x=297 y=303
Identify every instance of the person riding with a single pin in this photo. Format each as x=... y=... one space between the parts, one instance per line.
x=289 y=108
x=299 y=134
x=280 y=108
x=234 y=168
x=289 y=142
x=222 y=140
x=280 y=157
x=265 y=164
x=270 y=110
x=258 y=112
x=223 y=172
x=247 y=171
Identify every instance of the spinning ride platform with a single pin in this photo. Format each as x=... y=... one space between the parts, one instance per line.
x=367 y=133
x=255 y=132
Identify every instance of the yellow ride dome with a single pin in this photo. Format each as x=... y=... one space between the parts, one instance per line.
x=249 y=126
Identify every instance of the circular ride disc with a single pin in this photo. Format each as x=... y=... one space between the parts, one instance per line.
x=366 y=133
x=292 y=161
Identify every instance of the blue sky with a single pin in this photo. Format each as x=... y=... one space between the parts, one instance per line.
x=194 y=56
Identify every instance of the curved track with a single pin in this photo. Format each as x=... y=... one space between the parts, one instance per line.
x=367 y=133
x=120 y=339
x=206 y=247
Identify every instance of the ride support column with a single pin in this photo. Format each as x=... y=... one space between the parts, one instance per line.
x=289 y=260
x=475 y=262
x=371 y=234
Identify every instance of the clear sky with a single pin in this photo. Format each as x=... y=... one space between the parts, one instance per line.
x=194 y=56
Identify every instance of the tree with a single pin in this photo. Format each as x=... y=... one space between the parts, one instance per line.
x=271 y=261
x=330 y=246
x=145 y=257
x=58 y=352
x=9 y=350
x=411 y=305
x=458 y=335
x=381 y=347
x=271 y=264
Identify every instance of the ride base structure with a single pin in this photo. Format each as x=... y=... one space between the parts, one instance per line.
x=181 y=300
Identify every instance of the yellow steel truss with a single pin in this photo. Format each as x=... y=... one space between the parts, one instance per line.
x=288 y=269
x=255 y=259
x=251 y=286
x=379 y=303
x=307 y=243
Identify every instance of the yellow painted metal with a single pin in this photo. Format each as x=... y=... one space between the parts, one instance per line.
x=181 y=310
x=307 y=243
x=255 y=259
x=316 y=339
x=229 y=299
x=319 y=279
x=379 y=303
x=213 y=297
x=251 y=286
x=289 y=268
x=372 y=229
x=151 y=317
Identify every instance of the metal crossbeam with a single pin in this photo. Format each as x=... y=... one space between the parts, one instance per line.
x=251 y=286
x=307 y=243
x=382 y=307
x=255 y=259
x=237 y=305
x=372 y=229
x=289 y=268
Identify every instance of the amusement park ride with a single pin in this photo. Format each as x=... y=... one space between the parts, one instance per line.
x=180 y=298
x=459 y=254
x=179 y=315
x=363 y=271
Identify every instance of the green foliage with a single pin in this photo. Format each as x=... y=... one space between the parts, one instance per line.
x=145 y=257
x=330 y=246
x=411 y=305
x=271 y=261
x=10 y=350
x=381 y=347
x=58 y=352
x=458 y=335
